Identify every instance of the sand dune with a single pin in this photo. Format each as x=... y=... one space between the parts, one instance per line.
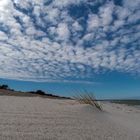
x=35 y=118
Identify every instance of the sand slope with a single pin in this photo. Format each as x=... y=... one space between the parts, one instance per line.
x=35 y=118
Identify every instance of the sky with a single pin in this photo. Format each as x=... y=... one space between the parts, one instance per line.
x=64 y=46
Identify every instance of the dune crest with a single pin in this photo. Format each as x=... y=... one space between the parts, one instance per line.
x=42 y=118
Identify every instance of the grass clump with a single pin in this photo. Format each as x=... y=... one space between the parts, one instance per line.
x=88 y=98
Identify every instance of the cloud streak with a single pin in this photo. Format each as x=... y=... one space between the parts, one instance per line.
x=68 y=40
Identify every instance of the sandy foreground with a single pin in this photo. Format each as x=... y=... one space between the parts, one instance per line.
x=35 y=118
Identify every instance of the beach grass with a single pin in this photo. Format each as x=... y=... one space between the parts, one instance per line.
x=87 y=98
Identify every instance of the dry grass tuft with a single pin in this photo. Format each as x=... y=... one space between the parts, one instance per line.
x=88 y=98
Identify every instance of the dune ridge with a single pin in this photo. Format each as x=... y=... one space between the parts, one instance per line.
x=52 y=119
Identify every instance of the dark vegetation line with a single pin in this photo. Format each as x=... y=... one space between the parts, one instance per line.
x=5 y=90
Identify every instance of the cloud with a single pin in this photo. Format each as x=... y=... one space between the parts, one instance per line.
x=93 y=22
x=133 y=5
x=3 y=4
x=52 y=41
x=106 y=13
x=63 y=31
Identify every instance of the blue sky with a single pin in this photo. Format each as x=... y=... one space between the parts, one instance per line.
x=66 y=45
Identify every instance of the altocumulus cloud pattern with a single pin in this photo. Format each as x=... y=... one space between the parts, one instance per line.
x=50 y=40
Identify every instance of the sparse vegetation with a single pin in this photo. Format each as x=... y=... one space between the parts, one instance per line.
x=88 y=98
x=4 y=87
x=5 y=90
x=40 y=92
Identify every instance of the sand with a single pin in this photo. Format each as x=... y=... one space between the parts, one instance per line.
x=35 y=118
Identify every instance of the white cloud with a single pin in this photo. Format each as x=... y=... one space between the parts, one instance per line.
x=3 y=3
x=122 y=12
x=106 y=14
x=63 y=31
x=3 y=36
x=76 y=26
x=62 y=3
x=132 y=5
x=88 y=37
x=119 y=24
x=52 y=14
x=93 y=22
x=50 y=45
x=134 y=17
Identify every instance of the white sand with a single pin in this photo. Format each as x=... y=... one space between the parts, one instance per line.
x=35 y=118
